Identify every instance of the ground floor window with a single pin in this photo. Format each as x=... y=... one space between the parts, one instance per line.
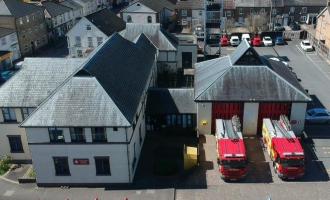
x=61 y=166
x=102 y=165
x=15 y=143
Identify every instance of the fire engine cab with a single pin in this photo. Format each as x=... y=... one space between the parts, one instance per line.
x=284 y=148
x=231 y=150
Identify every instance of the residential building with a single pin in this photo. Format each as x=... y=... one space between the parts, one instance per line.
x=91 y=6
x=77 y=9
x=246 y=85
x=149 y=11
x=91 y=31
x=89 y=132
x=283 y=11
x=322 y=31
x=176 y=53
x=59 y=18
x=9 y=42
x=28 y=21
x=22 y=93
x=190 y=14
x=139 y=13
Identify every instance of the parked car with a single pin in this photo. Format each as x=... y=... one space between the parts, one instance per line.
x=199 y=32
x=234 y=40
x=224 y=41
x=267 y=41
x=317 y=115
x=279 y=40
x=256 y=41
x=279 y=27
x=246 y=37
x=306 y=45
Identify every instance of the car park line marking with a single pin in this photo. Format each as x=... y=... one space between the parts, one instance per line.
x=9 y=193
x=316 y=65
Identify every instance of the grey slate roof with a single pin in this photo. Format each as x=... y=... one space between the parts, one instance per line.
x=6 y=31
x=37 y=79
x=170 y=101
x=190 y=4
x=82 y=101
x=153 y=31
x=107 y=21
x=18 y=8
x=305 y=3
x=55 y=9
x=158 y=5
x=221 y=80
x=257 y=3
x=71 y=4
x=111 y=83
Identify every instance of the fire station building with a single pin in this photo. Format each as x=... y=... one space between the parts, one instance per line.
x=249 y=86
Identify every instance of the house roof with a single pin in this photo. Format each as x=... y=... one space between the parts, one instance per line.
x=111 y=84
x=305 y=2
x=225 y=79
x=158 y=5
x=6 y=31
x=37 y=79
x=153 y=31
x=170 y=101
x=17 y=8
x=71 y=4
x=257 y=3
x=190 y=4
x=107 y=21
x=81 y=101
x=55 y=9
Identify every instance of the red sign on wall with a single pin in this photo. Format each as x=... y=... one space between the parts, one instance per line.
x=81 y=161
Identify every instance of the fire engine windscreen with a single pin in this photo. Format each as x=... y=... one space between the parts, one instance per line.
x=235 y=164
x=292 y=162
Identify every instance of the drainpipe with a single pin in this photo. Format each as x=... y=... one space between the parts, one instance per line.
x=128 y=163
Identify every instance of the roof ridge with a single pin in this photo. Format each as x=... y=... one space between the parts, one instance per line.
x=221 y=75
x=287 y=82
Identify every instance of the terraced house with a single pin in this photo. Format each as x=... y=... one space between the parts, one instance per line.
x=28 y=21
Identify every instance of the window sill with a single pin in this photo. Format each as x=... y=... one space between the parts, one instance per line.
x=9 y=122
x=103 y=174
x=16 y=151
x=62 y=174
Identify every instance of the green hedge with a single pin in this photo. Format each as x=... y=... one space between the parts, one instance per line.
x=5 y=164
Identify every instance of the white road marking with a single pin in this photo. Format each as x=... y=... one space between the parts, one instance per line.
x=314 y=63
x=9 y=193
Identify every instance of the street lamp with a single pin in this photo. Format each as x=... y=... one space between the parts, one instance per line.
x=270 y=14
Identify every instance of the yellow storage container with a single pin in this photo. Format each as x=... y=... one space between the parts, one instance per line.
x=190 y=156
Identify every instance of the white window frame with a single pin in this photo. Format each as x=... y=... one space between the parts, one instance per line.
x=184 y=13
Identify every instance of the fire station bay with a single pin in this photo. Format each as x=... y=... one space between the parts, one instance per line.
x=249 y=86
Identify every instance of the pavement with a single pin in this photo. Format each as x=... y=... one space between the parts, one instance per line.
x=17 y=172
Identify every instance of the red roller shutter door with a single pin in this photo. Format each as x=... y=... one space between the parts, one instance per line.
x=222 y=110
x=272 y=111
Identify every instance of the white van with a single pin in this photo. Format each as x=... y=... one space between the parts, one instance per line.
x=246 y=37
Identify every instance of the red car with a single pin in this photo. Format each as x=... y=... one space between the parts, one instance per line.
x=256 y=41
x=224 y=41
